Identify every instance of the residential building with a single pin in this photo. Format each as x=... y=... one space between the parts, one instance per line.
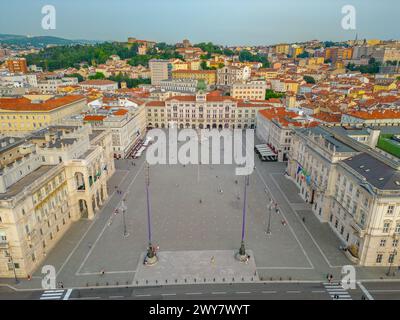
x=209 y=76
x=17 y=65
x=160 y=70
x=251 y=90
x=101 y=85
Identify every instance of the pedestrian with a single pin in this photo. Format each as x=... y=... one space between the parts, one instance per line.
x=29 y=277
x=200 y=201
x=283 y=222
x=236 y=182
x=212 y=259
x=61 y=285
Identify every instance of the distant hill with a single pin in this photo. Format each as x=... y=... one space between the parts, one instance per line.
x=40 y=41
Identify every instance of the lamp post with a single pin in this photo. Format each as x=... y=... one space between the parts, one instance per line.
x=269 y=218
x=241 y=255
x=124 y=208
x=151 y=257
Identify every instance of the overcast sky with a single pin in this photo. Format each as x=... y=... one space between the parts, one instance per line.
x=230 y=22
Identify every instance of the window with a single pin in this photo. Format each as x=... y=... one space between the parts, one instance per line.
x=391 y=258
x=382 y=243
x=379 y=258
x=386 y=227
x=390 y=210
x=397 y=230
x=395 y=242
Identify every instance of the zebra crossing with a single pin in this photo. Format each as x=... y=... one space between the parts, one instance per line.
x=56 y=294
x=336 y=291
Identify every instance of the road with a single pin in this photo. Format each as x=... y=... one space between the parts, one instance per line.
x=248 y=291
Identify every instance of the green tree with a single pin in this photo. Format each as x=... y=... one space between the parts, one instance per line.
x=269 y=94
x=97 y=76
x=75 y=75
x=309 y=79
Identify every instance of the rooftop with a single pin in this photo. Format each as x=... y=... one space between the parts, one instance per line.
x=24 y=104
x=25 y=182
x=377 y=173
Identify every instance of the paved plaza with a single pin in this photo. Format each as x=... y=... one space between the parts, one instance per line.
x=192 y=220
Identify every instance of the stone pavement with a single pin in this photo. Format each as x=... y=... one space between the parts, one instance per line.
x=196 y=266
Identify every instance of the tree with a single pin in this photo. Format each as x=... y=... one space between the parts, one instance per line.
x=269 y=93
x=304 y=54
x=97 y=76
x=309 y=79
x=247 y=56
x=75 y=75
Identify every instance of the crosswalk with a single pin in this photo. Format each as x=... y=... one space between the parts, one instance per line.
x=56 y=294
x=336 y=291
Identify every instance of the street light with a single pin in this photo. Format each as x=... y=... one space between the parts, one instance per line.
x=241 y=255
x=123 y=208
x=269 y=218
x=151 y=258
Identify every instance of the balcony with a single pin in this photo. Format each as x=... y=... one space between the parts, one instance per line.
x=358 y=228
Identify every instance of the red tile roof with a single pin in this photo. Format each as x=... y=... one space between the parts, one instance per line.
x=24 y=104
x=375 y=114
x=94 y=118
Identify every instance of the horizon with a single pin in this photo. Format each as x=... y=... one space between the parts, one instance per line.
x=177 y=19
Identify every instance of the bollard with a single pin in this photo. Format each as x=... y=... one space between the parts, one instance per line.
x=194 y=279
x=117 y=283
x=214 y=279
x=280 y=278
x=166 y=281
x=156 y=281
x=205 y=280
x=223 y=279
x=176 y=280
x=271 y=279
x=290 y=278
x=147 y=281
x=242 y=278
x=137 y=282
x=233 y=279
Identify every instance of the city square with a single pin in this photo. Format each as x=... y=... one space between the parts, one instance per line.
x=196 y=220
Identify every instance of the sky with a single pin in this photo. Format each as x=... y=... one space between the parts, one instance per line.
x=225 y=22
